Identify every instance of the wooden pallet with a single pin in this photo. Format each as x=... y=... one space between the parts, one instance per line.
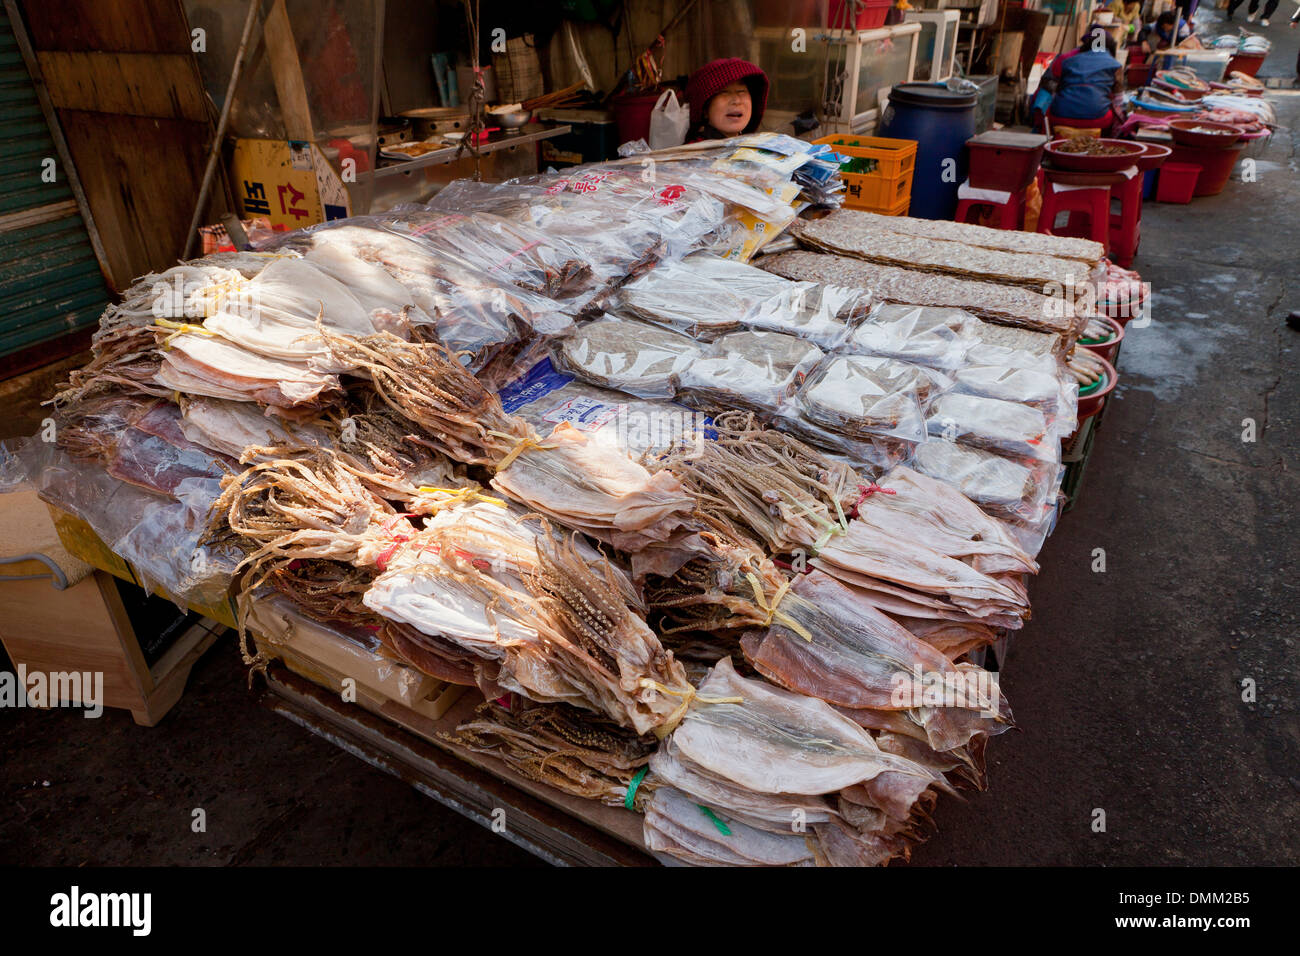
x=561 y=829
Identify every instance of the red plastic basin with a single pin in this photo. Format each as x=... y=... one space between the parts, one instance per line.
x=1090 y=405
x=1216 y=166
x=868 y=19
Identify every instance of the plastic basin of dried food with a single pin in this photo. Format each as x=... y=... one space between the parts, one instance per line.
x=1108 y=346
x=1094 y=396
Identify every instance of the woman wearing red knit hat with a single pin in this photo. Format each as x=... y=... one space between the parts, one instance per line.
x=726 y=99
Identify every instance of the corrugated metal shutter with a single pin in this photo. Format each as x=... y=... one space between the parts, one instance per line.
x=50 y=283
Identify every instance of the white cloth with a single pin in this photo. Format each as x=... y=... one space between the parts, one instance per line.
x=1062 y=188
x=967 y=191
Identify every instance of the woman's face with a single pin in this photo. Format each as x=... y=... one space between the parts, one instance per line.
x=729 y=111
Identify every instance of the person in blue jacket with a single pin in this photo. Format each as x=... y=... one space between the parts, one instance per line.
x=1087 y=84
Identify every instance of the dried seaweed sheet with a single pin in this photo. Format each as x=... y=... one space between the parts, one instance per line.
x=1003 y=304
x=1036 y=243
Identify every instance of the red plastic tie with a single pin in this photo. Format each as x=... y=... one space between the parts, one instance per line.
x=865 y=492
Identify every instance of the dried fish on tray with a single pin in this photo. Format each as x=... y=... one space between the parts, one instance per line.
x=763 y=486
x=920 y=577
x=754 y=370
x=847 y=223
x=681 y=828
x=551 y=618
x=627 y=355
x=861 y=396
x=566 y=476
x=1007 y=305
x=763 y=748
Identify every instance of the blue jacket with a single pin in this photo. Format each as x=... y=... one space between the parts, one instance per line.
x=1087 y=80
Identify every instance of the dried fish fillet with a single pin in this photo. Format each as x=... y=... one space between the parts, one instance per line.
x=754 y=370
x=776 y=741
x=1007 y=305
x=861 y=396
x=1007 y=427
x=628 y=355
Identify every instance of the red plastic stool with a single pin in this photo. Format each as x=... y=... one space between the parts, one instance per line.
x=1126 y=225
x=1091 y=201
x=1010 y=214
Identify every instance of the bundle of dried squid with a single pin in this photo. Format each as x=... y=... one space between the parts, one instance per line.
x=546 y=616
x=765 y=486
x=567 y=748
x=566 y=476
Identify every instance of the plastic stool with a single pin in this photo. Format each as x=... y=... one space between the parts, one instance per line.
x=1010 y=214
x=1126 y=225
x=1093 y=201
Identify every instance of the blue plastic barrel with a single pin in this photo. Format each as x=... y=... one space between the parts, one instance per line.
x=940 y=120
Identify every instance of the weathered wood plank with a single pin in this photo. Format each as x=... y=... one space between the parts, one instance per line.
x=136 y=84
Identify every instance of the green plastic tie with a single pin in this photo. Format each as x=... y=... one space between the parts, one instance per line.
x=629 y=801
x=722 y=827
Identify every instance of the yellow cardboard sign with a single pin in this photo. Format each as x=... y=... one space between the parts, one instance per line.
x=284 y=182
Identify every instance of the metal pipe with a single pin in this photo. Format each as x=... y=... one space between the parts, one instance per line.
x=215 y=152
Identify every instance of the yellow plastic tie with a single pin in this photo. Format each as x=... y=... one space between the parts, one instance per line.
x=464 y=493
x=523 y=446
x=688 y=696
x=772 y=609
x=181 y=329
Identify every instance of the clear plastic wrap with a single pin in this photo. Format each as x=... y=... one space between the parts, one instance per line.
x=754 y=370
x=164 y=547
x=158 y=534
x=1009 y=428
x=611 y=212
x=822 y=314
x=624 y=354
x=472 y=308
x=705 y=296
x=545 y=397
x=861 y=396
x=1008 y=489
x=938 y=337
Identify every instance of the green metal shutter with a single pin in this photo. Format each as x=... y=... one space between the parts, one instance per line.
x=50 y=283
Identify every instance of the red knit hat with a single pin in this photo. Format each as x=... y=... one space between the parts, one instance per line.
x=712 y=78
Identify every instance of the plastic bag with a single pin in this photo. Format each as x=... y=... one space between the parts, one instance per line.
x=937 y=337
x=545 y=397
x=755 y=370
x=668 y=121
x=1009 y=428
x=624 y=354
x=1002 y=487
x=861 y=395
